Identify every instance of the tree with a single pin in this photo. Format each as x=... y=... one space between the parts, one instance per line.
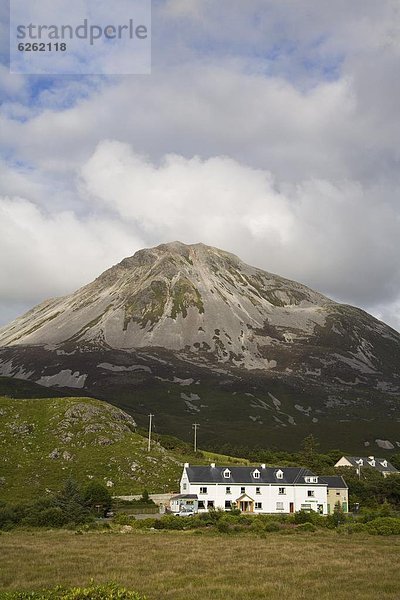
x=145 y=497
x=97 y=497
x=72 y=503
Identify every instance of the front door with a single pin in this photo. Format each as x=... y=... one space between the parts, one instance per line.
x=291 y=507
x=246 y=506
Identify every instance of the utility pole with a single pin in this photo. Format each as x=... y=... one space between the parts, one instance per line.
x=195 y=426
x=149 y=442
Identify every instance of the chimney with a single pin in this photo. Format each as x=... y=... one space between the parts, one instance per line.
x=263 y=465
x=212 y=465
x=186 y=465
x=371 y=457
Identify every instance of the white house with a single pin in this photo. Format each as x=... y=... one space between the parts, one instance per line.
x=250 y=489
x=367 y=462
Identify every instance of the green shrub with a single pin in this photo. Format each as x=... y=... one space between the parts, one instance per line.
x=355 y=528
x=122 y=519
x=172 y=522
x=223 y=526
x=144 y=523
x=92 y=592
x=303 y=516
x=51 y=517
x=384 y=526
x=272 y=526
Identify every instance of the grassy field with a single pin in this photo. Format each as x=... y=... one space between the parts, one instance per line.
x=185 y=566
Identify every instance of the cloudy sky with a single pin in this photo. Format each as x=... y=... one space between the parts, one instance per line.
x=268 y=128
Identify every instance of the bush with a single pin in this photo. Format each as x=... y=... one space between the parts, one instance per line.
x=93 y=592
x=123 y=519
x=51 y=517
x=97 y=497
x=272 y=526
x=223 y=526
x=306 y=527
x=384 y=526
x=172 y=522
x=303 y=516
x=355 y=528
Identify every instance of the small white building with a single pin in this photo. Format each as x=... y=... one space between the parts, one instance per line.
x=251 y=489
x=367 y=462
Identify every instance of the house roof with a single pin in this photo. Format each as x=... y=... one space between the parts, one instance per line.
x=380 y=464
x=334 y=481
x=184 y=497
x=245 y=475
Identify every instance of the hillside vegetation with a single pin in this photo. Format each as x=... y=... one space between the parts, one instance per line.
x=45 y=441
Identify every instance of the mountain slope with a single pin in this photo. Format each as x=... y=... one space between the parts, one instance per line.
x=192 y=331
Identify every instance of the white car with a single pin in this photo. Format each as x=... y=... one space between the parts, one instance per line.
x=185 y=512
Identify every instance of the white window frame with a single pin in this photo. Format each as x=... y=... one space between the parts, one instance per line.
x=310 y=493
x=258 y=490
x=203 y=490
x=279 y=506
x=228 y=490
x=227 y=474
x=256 y=474
x=258 y=506
x=282 y=493
x=242 y=490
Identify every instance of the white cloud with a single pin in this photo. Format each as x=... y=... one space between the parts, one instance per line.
x=292 y=112
x=44 y=255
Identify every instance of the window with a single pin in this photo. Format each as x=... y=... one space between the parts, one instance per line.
x=258 y=490
x=203 y=490
x=258 y=505
x=305 y=507
x=279 y=506
x=279 y=474
x=337 y=493
x=201 y=504
x=228 y=505
x=309 y=479
x=282 y=491
x=242 y=490
x=227 y=490
x=184 y=486
x=310 y=493
x=210 y=504
x=227 y=473
x=256 y=474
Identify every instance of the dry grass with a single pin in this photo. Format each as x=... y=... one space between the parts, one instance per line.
x=185 y=566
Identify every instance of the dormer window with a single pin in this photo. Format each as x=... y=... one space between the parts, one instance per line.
x=227 y=473
x=279 y=474
x=256 y=474
x=371 y=462
x=311 y=479
x=384 y=463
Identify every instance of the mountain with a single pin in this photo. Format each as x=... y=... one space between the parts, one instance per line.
x=191 y=332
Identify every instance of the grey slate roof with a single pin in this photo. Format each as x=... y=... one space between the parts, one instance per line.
x=244 y=475
x=185 y=496
x=381 y=464
x=334 y=481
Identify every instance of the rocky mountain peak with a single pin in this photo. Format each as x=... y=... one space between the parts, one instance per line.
x=191 y=315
